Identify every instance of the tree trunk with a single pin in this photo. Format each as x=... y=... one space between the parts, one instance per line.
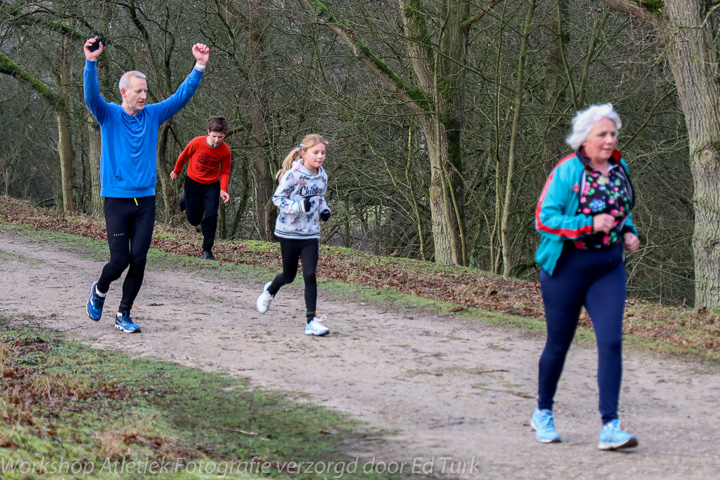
x=505 y=223
x=688 y=36
x=440 y=75
x=438 y=64
x=446 y=231
x=265 y=211
x=413 y=193
x=65 y=150
x=555 y=96
x=691 y=53
x=56 y=103
x=166 y=188
x=94 y=145
x=65 y=154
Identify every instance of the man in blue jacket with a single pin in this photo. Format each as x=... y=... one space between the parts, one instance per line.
x=128 y=173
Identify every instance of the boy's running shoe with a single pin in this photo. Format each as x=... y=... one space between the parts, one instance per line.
x=95 y=305
x=316 y=328
x=124 y=323
x=613 y=436
x=543 y=421
x=265 y=299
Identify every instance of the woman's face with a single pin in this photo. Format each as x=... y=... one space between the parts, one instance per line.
x=601 y=141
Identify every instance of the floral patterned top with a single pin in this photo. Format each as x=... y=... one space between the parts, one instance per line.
x=604 y=194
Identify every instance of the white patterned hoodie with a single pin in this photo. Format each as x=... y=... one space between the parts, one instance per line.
x=297 y=184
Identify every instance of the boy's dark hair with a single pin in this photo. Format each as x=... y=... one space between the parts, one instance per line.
x=217 y=124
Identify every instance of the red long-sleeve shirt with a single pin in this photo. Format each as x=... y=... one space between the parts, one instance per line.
x=206 y=163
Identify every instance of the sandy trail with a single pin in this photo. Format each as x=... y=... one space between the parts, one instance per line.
x=459 y=394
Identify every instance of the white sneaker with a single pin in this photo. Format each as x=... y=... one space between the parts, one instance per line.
x=264 y=300
x=316 y=328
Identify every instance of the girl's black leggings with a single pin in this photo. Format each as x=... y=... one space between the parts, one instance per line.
x=293 y=250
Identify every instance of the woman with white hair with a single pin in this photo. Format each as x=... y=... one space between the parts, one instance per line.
x=585 y=222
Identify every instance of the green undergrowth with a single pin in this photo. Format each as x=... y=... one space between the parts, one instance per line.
x=70 y=411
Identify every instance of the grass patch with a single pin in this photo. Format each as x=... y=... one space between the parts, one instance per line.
x=69 y=411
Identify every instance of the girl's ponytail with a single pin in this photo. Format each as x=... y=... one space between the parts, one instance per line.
x=288 y=162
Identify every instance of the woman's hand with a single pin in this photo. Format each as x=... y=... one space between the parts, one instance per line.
x=603 y=223
x=632 y=242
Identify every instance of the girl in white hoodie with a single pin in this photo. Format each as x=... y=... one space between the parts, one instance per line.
x=300 y=197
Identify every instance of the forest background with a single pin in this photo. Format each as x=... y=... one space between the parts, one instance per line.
x=444 y=117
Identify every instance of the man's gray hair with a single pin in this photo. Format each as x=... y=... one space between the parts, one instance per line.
x=125 y=79
x=584 y=120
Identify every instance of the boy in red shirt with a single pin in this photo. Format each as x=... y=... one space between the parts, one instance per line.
x=208 y=176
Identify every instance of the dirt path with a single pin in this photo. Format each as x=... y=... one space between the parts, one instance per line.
x=458 y=393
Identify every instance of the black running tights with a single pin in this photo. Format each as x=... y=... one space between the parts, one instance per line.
x=292 y=251
x=129 y=223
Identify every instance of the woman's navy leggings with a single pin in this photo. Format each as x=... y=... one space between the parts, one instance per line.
x=597 y=280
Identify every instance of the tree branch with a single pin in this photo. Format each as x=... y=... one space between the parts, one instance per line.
x=635 y=9
x=8 y=67
x=415 y=98
x=22 y=18
x=479 y=15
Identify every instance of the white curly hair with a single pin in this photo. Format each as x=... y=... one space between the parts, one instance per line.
x=584 y=120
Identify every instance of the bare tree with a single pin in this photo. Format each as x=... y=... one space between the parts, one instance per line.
x=688 y=31
x=59 y=106
x=436 y=51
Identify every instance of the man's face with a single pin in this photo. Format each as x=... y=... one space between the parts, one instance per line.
x=134 y=95
x=215 y=139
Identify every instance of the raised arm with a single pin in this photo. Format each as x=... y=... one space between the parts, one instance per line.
x=201 y=53
x=91 y=87
x=93 y=55
x=186 y=90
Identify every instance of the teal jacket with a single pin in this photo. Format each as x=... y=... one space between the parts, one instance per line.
x=556 y=217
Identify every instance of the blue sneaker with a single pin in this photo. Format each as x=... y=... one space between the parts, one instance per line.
x=316 y=328
x=543 y=421
x=95 y=304
x=613 y=436
x=124 y=323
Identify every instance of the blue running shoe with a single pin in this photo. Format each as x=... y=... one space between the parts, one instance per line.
x=543 y=421
x=124 y=323
x=613 y=436
x=95 y=304
x=316 y=328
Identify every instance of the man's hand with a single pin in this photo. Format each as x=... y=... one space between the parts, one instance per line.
x=93 y=56
x=173 y=175
x=632 y=242
x=201 y=53
x=225 y=196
